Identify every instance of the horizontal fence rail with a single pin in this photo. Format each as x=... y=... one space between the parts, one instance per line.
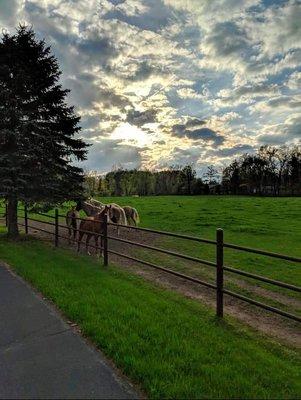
x=263 y=279
x=262 y=252
x=262 y=305
x=170 y=271
x=218 y=265
x=171 y=253
x=171 y=234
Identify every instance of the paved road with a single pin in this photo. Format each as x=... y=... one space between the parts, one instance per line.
x=42 y=357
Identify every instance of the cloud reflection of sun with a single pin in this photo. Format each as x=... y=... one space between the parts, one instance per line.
x=131 y=134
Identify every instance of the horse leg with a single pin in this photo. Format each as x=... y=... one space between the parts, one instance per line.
x=87 y=243
x=96 y=244
x=101 y=246
x=69 y=235
x=74 y=235
x=80 y=236
x=128 y=221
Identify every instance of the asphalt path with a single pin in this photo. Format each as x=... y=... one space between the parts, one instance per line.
x=42 y=356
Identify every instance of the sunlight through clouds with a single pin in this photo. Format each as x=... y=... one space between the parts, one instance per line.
x=161 y=82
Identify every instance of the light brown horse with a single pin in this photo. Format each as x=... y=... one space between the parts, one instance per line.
x=71 y=222
x=131 y=215
x=116 y=213
x=93 y=226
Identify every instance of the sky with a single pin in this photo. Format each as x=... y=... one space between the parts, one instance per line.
x=174 y=82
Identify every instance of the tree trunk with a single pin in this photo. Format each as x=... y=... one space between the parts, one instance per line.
x=12 y=217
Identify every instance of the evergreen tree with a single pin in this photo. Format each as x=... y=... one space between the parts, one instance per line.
x=37 y=127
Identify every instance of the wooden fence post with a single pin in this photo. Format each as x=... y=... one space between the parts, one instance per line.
x=26 y=218
x=219 y=272
x=56 y=228
x=105 y=241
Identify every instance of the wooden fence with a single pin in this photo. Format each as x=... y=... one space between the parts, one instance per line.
x=218 y=265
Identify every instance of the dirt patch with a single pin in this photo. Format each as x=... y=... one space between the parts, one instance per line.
x=266 y=322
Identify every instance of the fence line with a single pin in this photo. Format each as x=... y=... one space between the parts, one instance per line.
x=262 y=305
x=262 y=252
x=171 y=253
x=219 y=244
x=170 y=271
x=263 y=279
x=171 y=234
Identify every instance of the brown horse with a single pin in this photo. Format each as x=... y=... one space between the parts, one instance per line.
x=116 y=213
x=131 y=215
x=93 y=226
x=71 y=222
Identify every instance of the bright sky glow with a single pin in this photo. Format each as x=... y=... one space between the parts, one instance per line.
x=162 y=82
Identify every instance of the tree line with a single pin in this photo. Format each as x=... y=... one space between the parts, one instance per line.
x=270 y=171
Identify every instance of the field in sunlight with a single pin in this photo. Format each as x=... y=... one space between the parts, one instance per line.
x=271 y=224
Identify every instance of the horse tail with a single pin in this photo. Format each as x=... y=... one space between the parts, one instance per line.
x=136 y=216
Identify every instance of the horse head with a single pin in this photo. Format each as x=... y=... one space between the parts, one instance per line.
x=107 y=209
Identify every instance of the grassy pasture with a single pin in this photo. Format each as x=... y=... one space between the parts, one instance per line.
x=272 y=224
x=269 y=223
x=173 y=347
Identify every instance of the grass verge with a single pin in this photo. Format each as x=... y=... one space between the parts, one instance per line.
x=171 y=346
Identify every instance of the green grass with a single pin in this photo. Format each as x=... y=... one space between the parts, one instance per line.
x=271 y=224
x=246 y=220
x=173 y=347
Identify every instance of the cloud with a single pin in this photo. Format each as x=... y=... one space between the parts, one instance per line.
x=9 y=11
x=152 y=17
x=294 y=81
x=281 y=28
x=286 y=132
x=227 y=39
x=245 y=94
x=277 y=105
x=190 y=131
x=140 y=118
x=188 y=93
x=103 y=155
x=180 y=156
x=274 y=139
x=231 y=151
x=207 y=78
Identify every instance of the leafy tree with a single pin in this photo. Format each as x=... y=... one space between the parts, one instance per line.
x=211 y=175
x=188 y=175
x=294 y=170
x=231 y=177
x=37 y=127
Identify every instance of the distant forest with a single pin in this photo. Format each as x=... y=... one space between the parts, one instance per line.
x=272 y=171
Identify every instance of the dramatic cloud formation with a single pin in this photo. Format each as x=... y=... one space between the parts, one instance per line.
x=161 y=82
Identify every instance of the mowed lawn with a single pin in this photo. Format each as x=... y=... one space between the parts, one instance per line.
x=171 y=346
